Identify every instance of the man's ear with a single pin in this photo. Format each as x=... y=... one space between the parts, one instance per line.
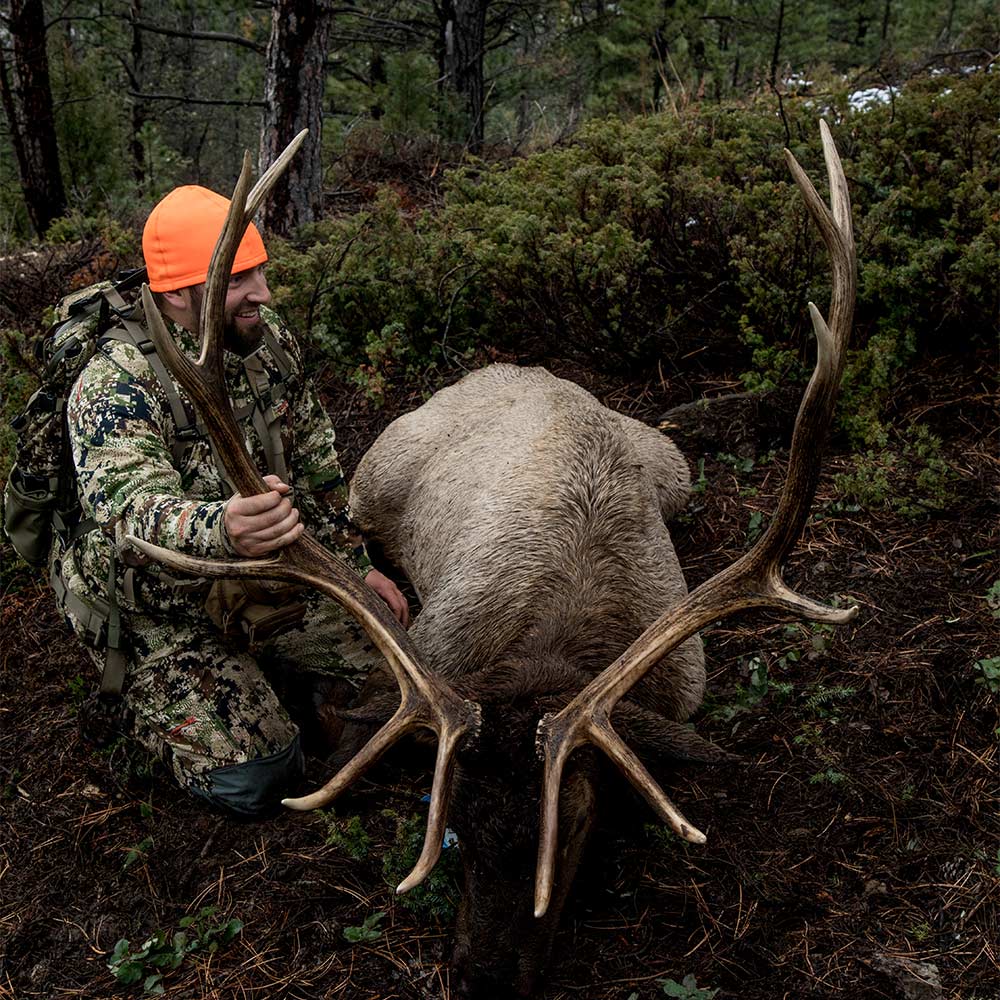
x=183 y=306
x=179 y=299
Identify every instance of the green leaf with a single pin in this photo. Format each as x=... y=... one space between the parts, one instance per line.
x=368 y=931
x=990 y=670
x=232 y=929
x=129 y=972
x=687 y=989
x=154 y=985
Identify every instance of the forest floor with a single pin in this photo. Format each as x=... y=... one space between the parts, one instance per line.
x=855 y=852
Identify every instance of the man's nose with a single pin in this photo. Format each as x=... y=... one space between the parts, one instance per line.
x=257 y=290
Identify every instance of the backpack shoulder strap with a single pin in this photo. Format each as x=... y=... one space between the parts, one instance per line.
x=128 y=331
x=265 y=420
x=280 y=355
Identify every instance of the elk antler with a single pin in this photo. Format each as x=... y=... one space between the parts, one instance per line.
x=426 y=700
x=753 y=581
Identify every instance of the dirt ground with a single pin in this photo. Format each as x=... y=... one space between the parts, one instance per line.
x=855 y=852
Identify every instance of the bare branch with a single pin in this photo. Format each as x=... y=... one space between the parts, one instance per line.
x=201 y=36
x=179 y=99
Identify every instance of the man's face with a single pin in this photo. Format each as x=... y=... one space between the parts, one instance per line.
x=246 y=293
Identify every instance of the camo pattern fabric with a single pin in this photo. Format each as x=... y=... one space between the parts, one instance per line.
x=42 y=430
x=122 y=436
x=201 y=705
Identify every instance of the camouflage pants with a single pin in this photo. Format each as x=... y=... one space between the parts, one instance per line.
x=210 y=710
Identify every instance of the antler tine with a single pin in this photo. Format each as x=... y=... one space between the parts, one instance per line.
x=270 y=176
x=426 y=700
x=242 y=208
x=213 y=305
x=753 y=581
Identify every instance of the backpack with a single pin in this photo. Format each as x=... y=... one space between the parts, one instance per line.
x=41 y=505
x=40 y=498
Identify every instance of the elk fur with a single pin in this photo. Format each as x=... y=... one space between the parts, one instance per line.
x=530 y=520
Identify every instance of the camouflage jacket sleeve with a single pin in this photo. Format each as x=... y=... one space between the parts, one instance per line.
x=118 y=428
x=320 y=487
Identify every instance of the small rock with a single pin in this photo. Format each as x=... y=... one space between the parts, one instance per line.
x=917 y=980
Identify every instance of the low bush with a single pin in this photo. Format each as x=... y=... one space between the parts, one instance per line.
x=646 y=239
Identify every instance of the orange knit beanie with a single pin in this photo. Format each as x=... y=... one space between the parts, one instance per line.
x=181 y=233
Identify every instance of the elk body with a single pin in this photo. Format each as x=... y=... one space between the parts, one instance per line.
x=547 y=577
x=530 y=520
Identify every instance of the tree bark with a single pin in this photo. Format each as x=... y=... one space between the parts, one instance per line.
x=776 y=52
x=27 y=102
x=461 y=46
x=886 y=17
x=138 y=105
x=293 y=100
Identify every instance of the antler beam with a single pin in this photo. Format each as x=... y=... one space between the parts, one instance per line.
x=753 y=581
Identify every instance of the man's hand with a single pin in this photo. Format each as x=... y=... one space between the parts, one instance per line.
x=389 y=593
x=263 y=523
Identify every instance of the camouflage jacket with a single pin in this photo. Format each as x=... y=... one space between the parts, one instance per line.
x=122 y=436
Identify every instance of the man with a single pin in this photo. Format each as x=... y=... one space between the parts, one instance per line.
x=199 y=696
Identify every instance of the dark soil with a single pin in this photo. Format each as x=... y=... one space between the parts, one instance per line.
x=860 y=834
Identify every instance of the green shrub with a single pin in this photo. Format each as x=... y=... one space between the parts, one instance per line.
x=651 y=238
x=437 y=896
x=112 y=235
x=164 y=951
x=913 y=479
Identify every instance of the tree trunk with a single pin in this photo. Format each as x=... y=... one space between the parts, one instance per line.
x=776 y=52
x=28 y=105
x=135 y=72
x=293 y=92
x=461 y=45
x=886 y=18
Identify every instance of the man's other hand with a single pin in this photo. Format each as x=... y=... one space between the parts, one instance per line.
x=263 y=523
x=389 y=593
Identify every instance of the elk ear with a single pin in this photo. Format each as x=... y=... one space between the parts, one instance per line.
x=653 y=736
x=376 y=711
x=376 y=702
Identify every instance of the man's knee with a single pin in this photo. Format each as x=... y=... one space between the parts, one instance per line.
x=254 y=789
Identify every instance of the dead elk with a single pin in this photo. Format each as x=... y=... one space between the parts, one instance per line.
x=530 y=520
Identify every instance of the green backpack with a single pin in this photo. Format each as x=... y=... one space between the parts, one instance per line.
x=41 y=505
x=40 y=499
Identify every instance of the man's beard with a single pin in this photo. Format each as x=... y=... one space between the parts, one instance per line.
x=240 y=340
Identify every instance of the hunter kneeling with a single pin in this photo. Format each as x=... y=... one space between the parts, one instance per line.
x=198 y=660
